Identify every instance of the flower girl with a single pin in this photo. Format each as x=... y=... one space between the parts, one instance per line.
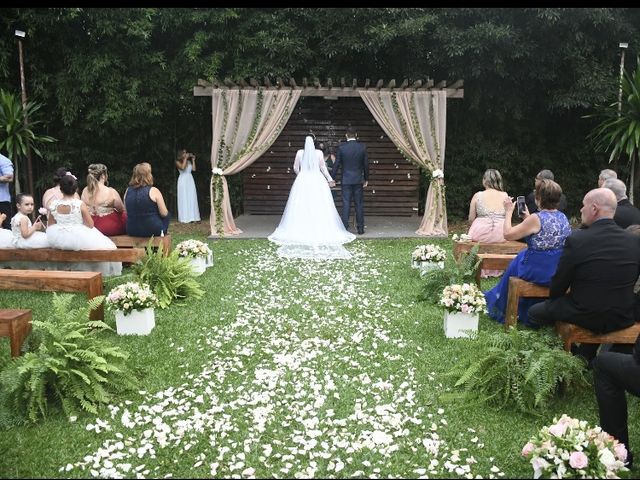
x=26 y=234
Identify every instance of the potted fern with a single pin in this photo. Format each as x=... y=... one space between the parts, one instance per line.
x=134 y=305
x=198 y=252
x=463 y=304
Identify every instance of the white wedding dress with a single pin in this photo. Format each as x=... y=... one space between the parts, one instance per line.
x=188 y=210
x=310 y=226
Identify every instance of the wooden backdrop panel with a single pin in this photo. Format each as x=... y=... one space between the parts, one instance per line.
x=393 y=181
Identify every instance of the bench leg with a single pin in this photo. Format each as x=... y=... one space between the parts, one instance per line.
x=511 y=315
x=567 y=344
x=478 y=275
x=18 y=331
x=94 y=289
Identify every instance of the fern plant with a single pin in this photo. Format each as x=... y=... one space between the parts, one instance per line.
x=522 y=368
x=171 y=277
x=463 y=270
x=71 y=365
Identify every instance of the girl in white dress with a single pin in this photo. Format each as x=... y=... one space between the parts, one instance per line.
x=25 y=234
x=188 y=210
x=310 y=226
x=71 y=228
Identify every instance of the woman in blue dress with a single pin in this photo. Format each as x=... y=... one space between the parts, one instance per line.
x=147 y=214
x=544 y=232
x=188 y=210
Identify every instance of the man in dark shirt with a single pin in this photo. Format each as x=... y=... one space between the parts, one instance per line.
x=531 y=198
x=626 y=213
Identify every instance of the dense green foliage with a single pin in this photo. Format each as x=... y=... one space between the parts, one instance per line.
x=118 y=83
x=71 y=366
x=170 y=277
x=523 y=368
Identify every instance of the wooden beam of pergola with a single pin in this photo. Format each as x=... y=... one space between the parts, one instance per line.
x=317 y=89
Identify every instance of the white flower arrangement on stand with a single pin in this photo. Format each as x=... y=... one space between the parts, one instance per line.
x=199 y=252
x=463 y=304
x=463 y=237
x=570 y=448
x=428 y=257
x=134 y=305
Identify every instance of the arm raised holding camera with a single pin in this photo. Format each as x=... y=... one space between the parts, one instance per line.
x=530 y=224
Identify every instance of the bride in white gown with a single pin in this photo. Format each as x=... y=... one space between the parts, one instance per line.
x=310 y=226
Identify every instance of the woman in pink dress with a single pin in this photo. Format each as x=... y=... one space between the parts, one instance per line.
x=486 y=213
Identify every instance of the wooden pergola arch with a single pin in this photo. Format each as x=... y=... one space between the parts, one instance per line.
x=267 y=181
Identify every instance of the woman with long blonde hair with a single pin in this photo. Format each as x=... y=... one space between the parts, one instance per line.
x=104 y=202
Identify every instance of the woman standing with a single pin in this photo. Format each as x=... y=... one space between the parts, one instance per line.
x=188 y=210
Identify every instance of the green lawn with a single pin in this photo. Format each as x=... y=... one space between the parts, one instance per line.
x=285 y=369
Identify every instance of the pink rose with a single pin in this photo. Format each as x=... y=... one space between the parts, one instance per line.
x=578 y=460
x=527 y=449
x=558 y=429
x=620 y=451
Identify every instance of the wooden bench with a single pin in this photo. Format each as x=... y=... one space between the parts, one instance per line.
x=492 y=261
x=505 y=248
x=125 y=241
x=55 y=281
x=127 y=255
x=518 y=289
x=15 y=324
x=571 y=333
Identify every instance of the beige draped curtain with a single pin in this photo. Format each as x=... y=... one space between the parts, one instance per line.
x=416 y=123
x=245 y=125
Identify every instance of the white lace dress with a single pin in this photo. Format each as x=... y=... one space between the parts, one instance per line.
x=36 y=240
x=310 y=226
x=188 y=210
x=70 y=233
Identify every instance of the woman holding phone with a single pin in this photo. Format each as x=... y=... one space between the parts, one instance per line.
x=544 y=232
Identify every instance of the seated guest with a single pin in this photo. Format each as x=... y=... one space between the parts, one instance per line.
x=147 y=213
x=545 y=233
x=531 y=198
x=600 y=264
x=626 y=213
x=71 y=228
x=104 y=202
x=26 y=234
x=605 y=175
x=54 y=192
x=486 y=213
x=614 y=374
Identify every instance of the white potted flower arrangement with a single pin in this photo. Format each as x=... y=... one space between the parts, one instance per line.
x=463 y=304
x=570 y=448
x=199 y=252
x=134 y=305
x=428 y=257
x=463 y=237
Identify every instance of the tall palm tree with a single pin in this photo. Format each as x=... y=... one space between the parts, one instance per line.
x=17 y=131
x=619 y=130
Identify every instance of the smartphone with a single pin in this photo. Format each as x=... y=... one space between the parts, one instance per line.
x=521 y=204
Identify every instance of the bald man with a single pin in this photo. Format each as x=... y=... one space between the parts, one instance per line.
x=601 y=264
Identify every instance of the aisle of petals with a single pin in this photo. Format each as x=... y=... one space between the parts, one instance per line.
x=306 y=377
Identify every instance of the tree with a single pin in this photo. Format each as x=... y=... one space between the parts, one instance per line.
x=17 y=136
x=619 y=129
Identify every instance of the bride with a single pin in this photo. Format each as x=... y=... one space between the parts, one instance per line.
x=310 y=226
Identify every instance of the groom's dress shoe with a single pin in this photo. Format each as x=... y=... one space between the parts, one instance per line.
x=360 y=231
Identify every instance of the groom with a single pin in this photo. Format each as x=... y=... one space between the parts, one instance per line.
x=352 y=156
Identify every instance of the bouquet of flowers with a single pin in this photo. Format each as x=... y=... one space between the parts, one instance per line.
x=429 y=253
x=131 y=296
x=463 y=237
x=193 y=249
x=465 y=298
x=570 y=448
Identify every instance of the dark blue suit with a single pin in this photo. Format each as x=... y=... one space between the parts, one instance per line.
x=352 y=157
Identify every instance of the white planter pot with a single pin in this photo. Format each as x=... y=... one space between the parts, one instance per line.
x=199 y=265
x=209 y=262
x=456 y=322
x=136 y=322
